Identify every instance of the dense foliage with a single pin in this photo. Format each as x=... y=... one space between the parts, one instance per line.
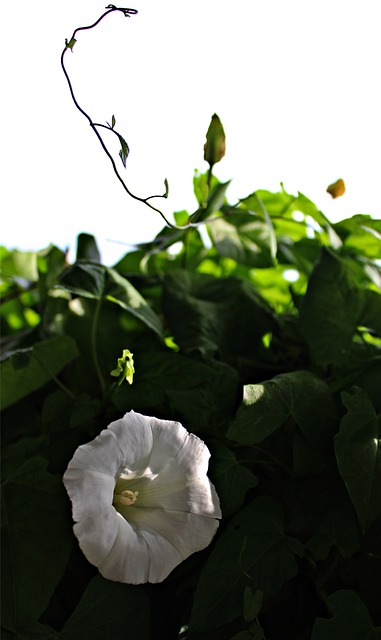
x=262 y=336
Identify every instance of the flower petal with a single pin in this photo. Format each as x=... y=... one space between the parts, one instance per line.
x=91 y=492
x=97 y=536
x=125 y=443
x=153 y=543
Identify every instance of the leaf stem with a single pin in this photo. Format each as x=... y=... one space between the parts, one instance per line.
x=58 y=382
x=94 y=330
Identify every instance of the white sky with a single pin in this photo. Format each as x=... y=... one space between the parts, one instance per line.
x=296 y=84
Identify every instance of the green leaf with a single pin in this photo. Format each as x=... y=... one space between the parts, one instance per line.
x=357 y=447
x=87 y=248
x=231 y=479
x=19 y=265
x=110 y=610
x=70 y=43
x=266 y=407
x=92 y=280
x=253 y=547
x=249 y=244
x=123 y=153
x=37 y=539
x=26 y=370
x=350 y=620
x=252 y=603
x=338 y=527
x=331 y=310
x=361 y=235
x=215 y=200
x=202 y=395
x=201 y=188
x=216 y=316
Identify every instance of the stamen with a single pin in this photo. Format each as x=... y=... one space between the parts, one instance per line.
x=127 y=497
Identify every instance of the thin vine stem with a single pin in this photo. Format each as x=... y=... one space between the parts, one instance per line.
x=57 y=381
x=69 y=44
x=94 y=350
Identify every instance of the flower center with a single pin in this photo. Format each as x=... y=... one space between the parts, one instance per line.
x=126 y=498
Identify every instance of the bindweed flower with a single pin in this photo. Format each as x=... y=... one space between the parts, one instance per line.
x=141 y=498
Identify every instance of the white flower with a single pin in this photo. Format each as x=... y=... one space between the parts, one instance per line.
x=142 y=501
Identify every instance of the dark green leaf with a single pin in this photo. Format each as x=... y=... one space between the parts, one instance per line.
x=37 y=539
x=92 y=280
x=331 y=310
x=216 y=316
x=87 y=248
x=231 y=479
x=252 y=603
x=201 y=395
x=123 y=153
x=300 y=395
x=357 y=447
x=70 y=43
x=350 y=620
x=338 y=528
x=110 y=610
x=253 y=549
x=30 y=369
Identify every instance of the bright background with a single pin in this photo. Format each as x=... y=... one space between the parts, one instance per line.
x=296 y=84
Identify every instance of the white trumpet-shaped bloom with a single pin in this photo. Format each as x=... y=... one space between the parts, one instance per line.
x=141 y=498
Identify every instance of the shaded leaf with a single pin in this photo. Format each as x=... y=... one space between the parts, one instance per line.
x=350 y=620
x=36 y=538
x=92 y=280
x=26 y=370
x=331 y=310
x=252 y=603
x=123 y=153
x=110 y=610
x=202 y=395
x=253 y=547
x=358 y=454
x=231 y=479
x=265 y=407
x=87 y=248
x=202 y=314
